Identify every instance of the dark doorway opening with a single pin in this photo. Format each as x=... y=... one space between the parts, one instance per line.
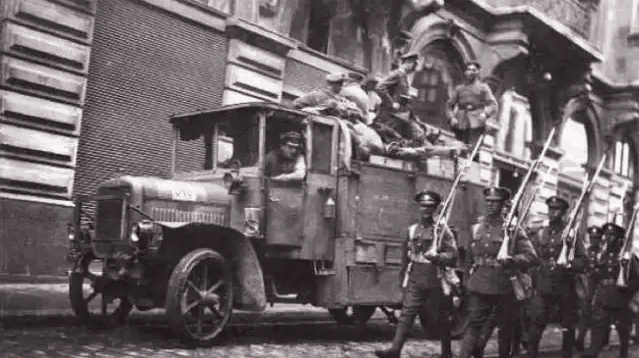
x=510 y=178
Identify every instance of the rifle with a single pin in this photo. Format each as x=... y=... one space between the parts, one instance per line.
x=508 y=222
x=524 y=215
x=624 y=255
x=444 y=213
x=569 y=235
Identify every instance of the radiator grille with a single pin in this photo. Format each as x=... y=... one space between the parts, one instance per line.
x=206 y=215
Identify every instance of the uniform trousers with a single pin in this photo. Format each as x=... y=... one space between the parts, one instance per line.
x=487 y=312
x=602 y=317
x=430 y=304
x=541 y=309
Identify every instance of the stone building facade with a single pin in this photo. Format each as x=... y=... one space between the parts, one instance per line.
x=87 y=87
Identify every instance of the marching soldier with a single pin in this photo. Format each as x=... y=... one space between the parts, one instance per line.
x=611 y=302
x=424 y=289
x=554 y=284
x=585 y=302
x=491 y=299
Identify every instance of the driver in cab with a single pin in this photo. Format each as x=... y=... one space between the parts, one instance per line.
x=287 y=163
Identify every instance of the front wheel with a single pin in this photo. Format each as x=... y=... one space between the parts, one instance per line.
x=199 y=299
x=85 y=287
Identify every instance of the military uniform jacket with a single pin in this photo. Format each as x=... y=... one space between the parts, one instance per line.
x=606 y=273
x=487 y=276
x=425 y=273
x=393 y=86
x=469 y=102
x=548 y=277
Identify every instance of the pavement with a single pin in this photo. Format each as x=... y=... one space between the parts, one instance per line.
x=36 y=321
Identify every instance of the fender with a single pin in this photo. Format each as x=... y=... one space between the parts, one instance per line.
x=249 y=289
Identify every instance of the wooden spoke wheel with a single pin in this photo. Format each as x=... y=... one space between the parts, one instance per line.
x=199 y=299
x=90 y=298
x=352 y=314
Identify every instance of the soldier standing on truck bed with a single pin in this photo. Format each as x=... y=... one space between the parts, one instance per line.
x=554 y=284
x=491 y=299
x=471 y=104
x=424 y=289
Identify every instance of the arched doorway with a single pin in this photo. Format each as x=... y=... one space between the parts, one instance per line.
x=440 y=71
x=574 y=142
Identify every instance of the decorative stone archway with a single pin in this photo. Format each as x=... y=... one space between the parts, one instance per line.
x=432 y=28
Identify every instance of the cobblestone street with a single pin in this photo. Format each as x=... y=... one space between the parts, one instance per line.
x=309 y=340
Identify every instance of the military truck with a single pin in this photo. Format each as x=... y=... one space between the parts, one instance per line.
x=219 y=236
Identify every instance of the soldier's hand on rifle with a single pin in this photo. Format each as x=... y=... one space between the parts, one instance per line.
x=434 y=258
x=507 y=262
x=395 y=105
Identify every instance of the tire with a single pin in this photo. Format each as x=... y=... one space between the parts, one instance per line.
x=350 y=315
x=80 y=303
x=219 y=301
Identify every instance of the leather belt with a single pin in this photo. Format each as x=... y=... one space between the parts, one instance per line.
x=486 y=261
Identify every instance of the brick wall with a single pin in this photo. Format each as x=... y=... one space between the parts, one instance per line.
x=146 y=64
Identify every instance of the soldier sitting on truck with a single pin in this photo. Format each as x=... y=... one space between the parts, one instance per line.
x=287 y=163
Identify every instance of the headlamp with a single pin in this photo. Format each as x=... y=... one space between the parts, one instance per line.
x=146 y=234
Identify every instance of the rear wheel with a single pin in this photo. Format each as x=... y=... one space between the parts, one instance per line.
x=199 y=299
x=352 y=314
x=94 y=299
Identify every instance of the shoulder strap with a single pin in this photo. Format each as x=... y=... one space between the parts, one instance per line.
x=412 y=230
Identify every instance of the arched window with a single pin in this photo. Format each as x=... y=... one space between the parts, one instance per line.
x=441 y=70
x=623 y=160
x=574 y=143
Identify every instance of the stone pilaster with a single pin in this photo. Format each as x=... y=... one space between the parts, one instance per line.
x=46 y=47
x=255 y=64
x=507 y=41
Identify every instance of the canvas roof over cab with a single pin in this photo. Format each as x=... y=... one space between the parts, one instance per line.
x=191 y=125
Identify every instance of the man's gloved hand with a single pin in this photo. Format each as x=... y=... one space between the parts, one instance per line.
x=395 y=105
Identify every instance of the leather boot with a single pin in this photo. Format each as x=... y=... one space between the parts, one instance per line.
x=401 y=333
x=568 y=343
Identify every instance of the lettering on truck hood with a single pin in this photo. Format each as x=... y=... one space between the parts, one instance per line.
x=171 y=190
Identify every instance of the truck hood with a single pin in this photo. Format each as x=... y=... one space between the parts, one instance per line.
x=173 y=190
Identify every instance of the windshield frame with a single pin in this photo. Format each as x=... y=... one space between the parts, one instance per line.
x=213 y=136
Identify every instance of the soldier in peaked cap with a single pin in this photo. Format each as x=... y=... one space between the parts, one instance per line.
x=322 y=96
x=374 y=100
x=611 y=301
x=422 y=264
x=472 y=103
x=396 y=83
x=286 y=163
x=595 y=234
x=554 y=284
x=491 y=299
